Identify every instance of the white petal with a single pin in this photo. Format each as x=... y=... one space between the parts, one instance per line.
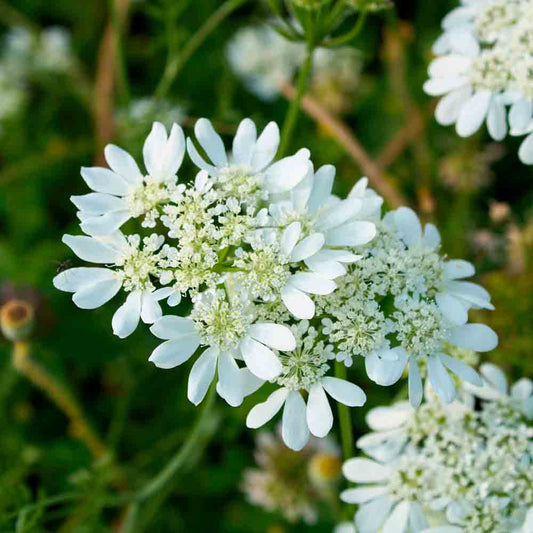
x=173 y=327
x=312 y=283
x=398 y=520
x=97 y=294
x=385 y=372
x=294 y=428
x=266 y=147
x=464 y=371
x=360 y=470
x=472 y=293
x=363 y=494
x=126 y=317
x=289 y=238
x=319 y=415
x=322 y=185
x=153 y=148
x=98 y=203
x=344 y=392
x=497 y=120
x=525 y=152
x=172 y=153
x=201 y=376
x=259 y=359
x=522 y=389
x=199 y=161
x=458 y=269
x=285 y=174
x=452 y=309
x=90 y=249
x=298 y=303
x=327 y=269
x=417 y=520
x=415 y=383
x=477 y=337
x=473 y=113
x=105 y=224
x=450 y=106
x=495 y=377
x=104 y=180
x=520 y=114
x=150 y=308
x=74 y=279
x=449 y=65
x=122 y=164
x=339 y=214
x=307 y=247
x=250 y=383
x=211 y=142
x=174 y=352
x=371 y=515
x=265 y=411
x=440 y=86
x=431 y=236
x=174 y=299
x=230 y=383
x=385 y=418
x=352 y=234
x=408 y=225
x=440 y=380
x=244 y=142
x=273 y=335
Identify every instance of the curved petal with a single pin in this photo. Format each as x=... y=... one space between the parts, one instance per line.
x=122 y=163
x=211 y=142
x=199 y=161
x=344 y=392
x=298 y=303
x=386 y=372
x=265 y=411
x=126 y=317
x=398 y=520
x=201 y=376
x=90 y=249
x=497 y=120
x=289 y=238
x=458 y=269
x=98 y=203
x=431 y=236
x=322 y=186
x=230 y=384
x=173 y=327
x=408 y=225
x=352 y=234
x=174 y=352
x=361 y=495
x=286 y=173
x=476 y=337
x=361 y=470
x=307 y=247
x=259 y=359
x=153 y=148
x=319 y=415
x=266 y=147
x=450 y=106
x=150 y=308
x=473 y=113
x=525 y=152
x=339 y=214
x=465 y=372
x=244 y=143
x=370 y=516
x=312 y=283
x=294 y=428
x=452 y=309
x=172 y=153
x=275 y=336
x=73 y=279
x=415 y=383
x=104 y=180
x=440 y=380
x=105 y=224
x=97 y=294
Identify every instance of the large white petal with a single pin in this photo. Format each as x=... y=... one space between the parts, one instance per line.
x=397 y=521
x=525 y=152
x=497 y=120
x=265 y=411
x=449 y=65
x=98 y=203
x=440 y=380
x=126 y=317
x=105 y=224
x=450 y=106
x=495 y=377
x=319 y=415
x=415 y=383
x=199 y=161
x=244 y=143
x=472 y=293
x=74 y=279
x=150 y=308
x=352 y=234
x=104 y=180
x=431 y=236
x=452 y=309
x=298 y=303
x=174 y=352
x=322 y=185
x=312 y=283
x=339 y=214
x=173 y=327
x=361 y=470
x=275 y=336
x=363 y=494
x=122 y=164
x=153 y=148
x=386 y=372
x=520 y=114
x=201 y=376
x=285 y=174
x=97 y=294
x=371 y=515
x=440 y=86
x=289 y=238
x=344 y=392
x=230 y=383
x=408 y=225
x=211 y=142
x=307 y=247
x=473 y=113
x=266 y=147
x=385 y=418
x=417 y=519
x=172 y=154
x=465 y=372
x=89 y=249
x=294 y=428
x=458 y=269
x=259 y=359
x=477 y=337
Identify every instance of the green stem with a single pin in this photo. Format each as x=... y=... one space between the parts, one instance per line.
x=294 y=108
x=345 y=418
x=122 y=73
x=202 y=430
x=352 y=34
x=175 y=64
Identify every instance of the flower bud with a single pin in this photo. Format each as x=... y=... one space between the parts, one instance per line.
x=16 y=320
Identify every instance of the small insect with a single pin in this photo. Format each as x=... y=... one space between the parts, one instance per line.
x=63 y=265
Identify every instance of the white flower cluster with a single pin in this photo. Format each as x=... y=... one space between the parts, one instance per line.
x=485 y=70
x=25 y=54
x=265 y=61
x=448 y=468
x=274 y=276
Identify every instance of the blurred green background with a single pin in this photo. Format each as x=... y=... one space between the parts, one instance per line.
x=477 y=192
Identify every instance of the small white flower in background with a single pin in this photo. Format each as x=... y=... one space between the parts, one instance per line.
x=456 y=468
x=484 y=70
x=123 y=192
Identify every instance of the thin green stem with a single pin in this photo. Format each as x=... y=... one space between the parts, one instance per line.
x=202 y=429
x=122 y=71
x=175 y=64
x=345 y=418
x=351 y=35
x=294 y=108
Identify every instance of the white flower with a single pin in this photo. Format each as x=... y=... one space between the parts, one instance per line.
x=381 y=509
x=249 y=170
x=122 y=192
x=254 y=343
x=495 y=387
x=93 y=287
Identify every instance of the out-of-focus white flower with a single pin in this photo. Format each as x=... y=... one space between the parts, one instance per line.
x=484 y=70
